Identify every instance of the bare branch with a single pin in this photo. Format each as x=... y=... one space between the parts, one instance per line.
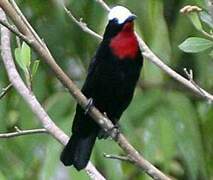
x=82 y=25
x=104 y=5
x=13 y=29
x=22 y=132
x=29 y=28
x=30 y=98
x=117 y=157
x=191 y=79
x=5 y=90
x=157 y=61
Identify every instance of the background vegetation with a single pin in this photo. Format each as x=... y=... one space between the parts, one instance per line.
x=167 y=123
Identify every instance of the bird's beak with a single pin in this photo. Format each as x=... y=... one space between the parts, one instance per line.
x=131 y=18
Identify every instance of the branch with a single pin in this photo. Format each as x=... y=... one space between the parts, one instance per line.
x=22 y=132
x=157 y=61
x=191 y=79
x=30 y=98
x=29 y=28
x=13 y=29
x=117 y=157
x=5 y=90
x=82 y=25
x=103 y=121
x=104 y=5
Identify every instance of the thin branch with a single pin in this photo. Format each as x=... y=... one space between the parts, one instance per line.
x=149 y=55
x=13 y=29
x=30 y=98
x=5 y=90
x=104 y=5
x=82 y=25
x=104 y=122
x=22 y=132
x=30 y=29
x=206 y=34
x=191 y=79
x=117 y=157
x=158 y=62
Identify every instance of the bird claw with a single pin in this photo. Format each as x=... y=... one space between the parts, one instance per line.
x=115 y=130
x=89 y=105
x=105 y=134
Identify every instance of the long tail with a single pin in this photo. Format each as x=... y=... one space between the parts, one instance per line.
x=78 y=150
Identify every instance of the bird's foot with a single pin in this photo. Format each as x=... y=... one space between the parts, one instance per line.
x=116 y=131
x=89 y=105
x=105 y=134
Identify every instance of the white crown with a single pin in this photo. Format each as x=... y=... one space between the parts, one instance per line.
x=120 y=13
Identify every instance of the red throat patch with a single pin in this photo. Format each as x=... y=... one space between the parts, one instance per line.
x=125 y=44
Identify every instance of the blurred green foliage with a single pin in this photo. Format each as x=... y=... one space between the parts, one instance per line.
x=166 y=122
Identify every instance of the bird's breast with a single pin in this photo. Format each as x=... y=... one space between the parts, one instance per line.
x=124 y=45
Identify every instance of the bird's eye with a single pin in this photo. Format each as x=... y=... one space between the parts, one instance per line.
x=115 y=20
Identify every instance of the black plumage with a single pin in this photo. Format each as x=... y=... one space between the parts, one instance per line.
x=110 y=83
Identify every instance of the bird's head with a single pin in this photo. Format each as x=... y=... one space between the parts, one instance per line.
x=120 y=19
x=120 y=15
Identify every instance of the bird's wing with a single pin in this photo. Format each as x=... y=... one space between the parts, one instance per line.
x=91 y=80
x=92 y=66
x=99 y=57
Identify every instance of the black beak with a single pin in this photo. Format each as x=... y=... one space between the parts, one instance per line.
x=131 y=18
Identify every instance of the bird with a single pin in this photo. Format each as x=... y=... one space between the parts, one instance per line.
x=110 y=83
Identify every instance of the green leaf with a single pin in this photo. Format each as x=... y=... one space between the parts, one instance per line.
x=195 y=44
x=205 y=17
x=25 y=54
x=193 y=16
x=19 y=60
x=23 y=57
x=35 y=67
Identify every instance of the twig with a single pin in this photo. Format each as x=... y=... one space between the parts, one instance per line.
x=13 y=29
x=117 y=157
x=22 y=132
x=146 y=52
x=30 y=98
x=191 y=79
x=5 y=90
x=158 y=62
x=104 y=5
x=82 y=25
x=104 y=122
x=32 y=32
x=206 y=34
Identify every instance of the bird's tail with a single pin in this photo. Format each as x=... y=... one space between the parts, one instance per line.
x=78 y=150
